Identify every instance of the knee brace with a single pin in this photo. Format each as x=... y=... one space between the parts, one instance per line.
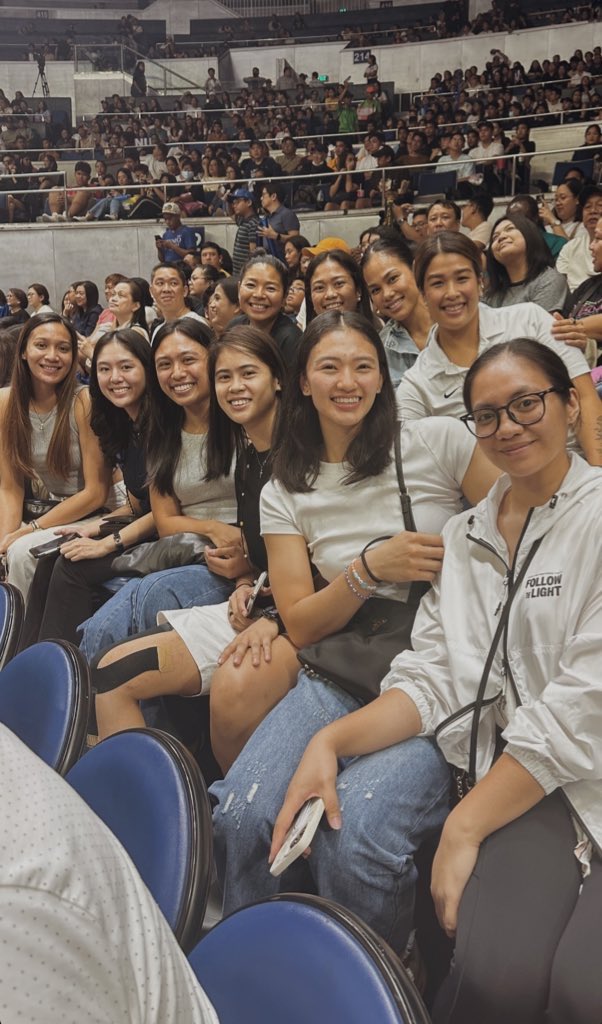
x=149 y=659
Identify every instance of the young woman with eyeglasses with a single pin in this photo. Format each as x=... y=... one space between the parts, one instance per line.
x=504 y=674
x=448 y=273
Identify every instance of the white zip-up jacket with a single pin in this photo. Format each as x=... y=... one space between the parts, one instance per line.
x=545 y=686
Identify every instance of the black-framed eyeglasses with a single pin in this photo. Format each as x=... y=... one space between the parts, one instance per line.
x=524 y=410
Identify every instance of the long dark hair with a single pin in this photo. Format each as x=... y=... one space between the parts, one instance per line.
x=113 y=426
x=299 y=443
x=16 y=434
x=347 y=262
x=166 y=419
x=225 y=437
x=544 y=358
x=537 y=254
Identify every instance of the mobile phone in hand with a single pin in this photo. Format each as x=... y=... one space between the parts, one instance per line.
x=259 y=582
x=299 y=835
x=51 y=547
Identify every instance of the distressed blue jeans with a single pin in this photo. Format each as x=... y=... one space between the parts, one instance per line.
x=391 y=801
x=134 y=608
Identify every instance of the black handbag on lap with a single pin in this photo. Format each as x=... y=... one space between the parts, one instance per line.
x=358 y=657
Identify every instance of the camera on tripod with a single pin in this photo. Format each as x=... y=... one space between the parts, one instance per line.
x=40 y=61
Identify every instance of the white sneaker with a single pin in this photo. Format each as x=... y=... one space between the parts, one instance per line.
x=50 y=218
x=112 y=216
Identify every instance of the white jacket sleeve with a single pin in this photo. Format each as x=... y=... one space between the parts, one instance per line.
x=558 y=738
x=423 y=672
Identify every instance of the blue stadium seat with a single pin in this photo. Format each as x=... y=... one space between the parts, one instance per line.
x=12 y=612
x=436 y=184
x=149 y=791
x=45 y=701
x=560 y=169
x=300 y=958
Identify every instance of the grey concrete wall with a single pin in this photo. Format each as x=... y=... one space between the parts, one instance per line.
x=57 y=254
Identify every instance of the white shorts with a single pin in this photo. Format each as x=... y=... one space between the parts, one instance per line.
x=205 y=632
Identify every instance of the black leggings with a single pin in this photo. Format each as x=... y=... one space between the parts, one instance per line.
x=63 y=595
x=529 y=941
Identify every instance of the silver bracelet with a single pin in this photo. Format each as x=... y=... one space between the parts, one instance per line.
x=362 y=583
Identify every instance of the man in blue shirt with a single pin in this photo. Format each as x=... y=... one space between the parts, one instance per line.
x=178 y=241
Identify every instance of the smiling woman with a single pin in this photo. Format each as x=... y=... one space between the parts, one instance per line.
x=387 y=271
x=261 y=293
x=334 y=489
x=334 y=283
x=183 y=499
x=448 y=273
x=48 y=448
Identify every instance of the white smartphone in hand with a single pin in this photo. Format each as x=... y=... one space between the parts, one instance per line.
x=259 y=582
x=299 y=835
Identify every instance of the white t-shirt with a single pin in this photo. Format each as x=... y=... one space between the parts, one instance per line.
x=433 y=385
x=81 y=937
x=337 y=520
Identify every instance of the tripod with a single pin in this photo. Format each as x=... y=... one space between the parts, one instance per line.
x=44 y=83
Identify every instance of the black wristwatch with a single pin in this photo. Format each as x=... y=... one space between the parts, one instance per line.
x=273 y=616
x=278 y=236
x=119 y=545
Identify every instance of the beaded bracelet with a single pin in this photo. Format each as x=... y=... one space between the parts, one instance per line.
x=361 y=582
x=353 y=588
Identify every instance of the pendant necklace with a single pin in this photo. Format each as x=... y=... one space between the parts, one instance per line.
x=42 y=420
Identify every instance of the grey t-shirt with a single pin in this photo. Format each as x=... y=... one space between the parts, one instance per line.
x=549 y=290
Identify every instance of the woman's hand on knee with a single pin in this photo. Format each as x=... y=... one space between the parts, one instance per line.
x=10 y=538
x=256 y=638
x=452 y=867
x=315 y=776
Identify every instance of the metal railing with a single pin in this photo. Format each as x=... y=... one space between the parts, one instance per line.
x=162 y=190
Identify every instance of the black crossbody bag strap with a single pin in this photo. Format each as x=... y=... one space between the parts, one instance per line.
x=404 y=497
x=476 y=715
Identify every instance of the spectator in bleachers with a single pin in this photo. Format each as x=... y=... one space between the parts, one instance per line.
x=519 y=143
x=519 y=267
x=475 y=218
x=222 y=304
x=78 y=199
x=211 y=255
x=342 y=190
x=448 y=271
x=245 y=241
x=485 y=156
x=16 y=300
x=455 y=160
x=581 y=321
x=139 y=86
x=388 y=275
x=178 y=240
x=575 y=260
x=592 y=145
x=443 y=215
x=169 y=289
x=39 y=299
x=282 y=223
x=259 y=164
x=289 y=162
x=334 y=282
x=528 y=207
x=261 y=294
x=199 y=284
x=293 y=249
x=565 y=217
x=87 y=310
